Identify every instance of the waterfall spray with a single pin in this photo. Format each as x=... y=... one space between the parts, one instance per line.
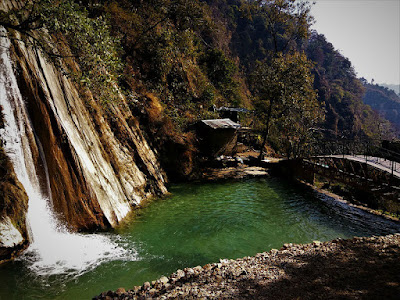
x=53 y=249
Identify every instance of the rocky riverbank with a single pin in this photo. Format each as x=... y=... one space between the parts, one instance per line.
x=238 y=172
x=243 y=165
x=359 y=268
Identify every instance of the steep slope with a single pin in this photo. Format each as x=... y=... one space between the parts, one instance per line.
x=91 y=172
x=383 y=100
x=394 y=87
x=341 y=91
x=99 y=165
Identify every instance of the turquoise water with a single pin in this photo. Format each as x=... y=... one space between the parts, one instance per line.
x=199 y=224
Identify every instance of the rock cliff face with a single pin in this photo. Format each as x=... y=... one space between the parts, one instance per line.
x=13 y=199
x=97 y=173
x=97 y=169
x=13 y=207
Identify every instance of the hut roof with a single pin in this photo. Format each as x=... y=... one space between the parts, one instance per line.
x=221 y=123
x=236 y=109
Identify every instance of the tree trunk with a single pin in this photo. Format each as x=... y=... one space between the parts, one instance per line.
x=266 y=132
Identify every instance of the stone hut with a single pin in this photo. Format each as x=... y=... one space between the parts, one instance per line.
x=217 y=137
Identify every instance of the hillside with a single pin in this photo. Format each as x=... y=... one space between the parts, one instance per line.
x=173 y=60
x=385 y=101
x=215 y=62
x=193 y=55
x=394 y=87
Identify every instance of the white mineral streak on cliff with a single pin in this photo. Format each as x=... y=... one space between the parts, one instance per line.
x=114 y=196
x=73 y=117
x=131 y=177
x=115 y=187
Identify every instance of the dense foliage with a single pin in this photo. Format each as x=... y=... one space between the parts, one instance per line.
x=287 y=101
x=175 y=59
x=385 y=101
x=342 y=92
x=88 y=38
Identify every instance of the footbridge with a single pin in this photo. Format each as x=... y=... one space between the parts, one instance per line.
x=360 y=170
x=352 y=160
x=365 y=166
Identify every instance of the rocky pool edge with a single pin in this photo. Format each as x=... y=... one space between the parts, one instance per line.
x=362 y=267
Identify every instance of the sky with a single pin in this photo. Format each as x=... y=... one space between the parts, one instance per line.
x=367 y=32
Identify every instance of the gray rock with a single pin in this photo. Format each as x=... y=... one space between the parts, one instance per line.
x=317 y=243
x=146 y=285
x=180 y=274
x=189 y=272
x=197 y=269
x=273 y=251
x=163 y=280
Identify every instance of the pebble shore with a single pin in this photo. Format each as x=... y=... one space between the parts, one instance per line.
x=359 y=268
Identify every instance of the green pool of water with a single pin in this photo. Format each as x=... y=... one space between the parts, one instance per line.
x=196 y=225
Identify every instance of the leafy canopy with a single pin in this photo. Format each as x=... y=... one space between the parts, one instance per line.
x=287 y=103
x=88 y=38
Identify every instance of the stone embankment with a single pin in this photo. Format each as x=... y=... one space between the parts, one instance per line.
x=360 y=268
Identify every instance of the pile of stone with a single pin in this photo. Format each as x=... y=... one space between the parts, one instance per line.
x=350 y=269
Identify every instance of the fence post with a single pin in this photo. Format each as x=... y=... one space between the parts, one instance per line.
x=392 y=167
x=343 y=148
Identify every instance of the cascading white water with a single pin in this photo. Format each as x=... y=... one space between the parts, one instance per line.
x=53 y=249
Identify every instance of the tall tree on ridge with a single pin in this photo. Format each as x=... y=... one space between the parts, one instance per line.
x=277 y=78
x=287 y=101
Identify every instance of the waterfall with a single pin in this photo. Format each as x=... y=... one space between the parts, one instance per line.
x=53 y=249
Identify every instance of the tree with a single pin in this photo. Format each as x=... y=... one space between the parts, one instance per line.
x=221 y=70
x=287 y=101
x=283 y=80
x=88 y=38
x=287 y=22
x=341 y=91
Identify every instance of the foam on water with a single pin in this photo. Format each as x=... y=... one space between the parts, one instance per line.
x=57 y=251
x=53 y=249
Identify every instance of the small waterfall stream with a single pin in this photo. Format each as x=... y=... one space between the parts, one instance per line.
x=53 y=249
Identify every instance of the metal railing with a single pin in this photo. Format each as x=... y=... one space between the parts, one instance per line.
x=370 y=151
